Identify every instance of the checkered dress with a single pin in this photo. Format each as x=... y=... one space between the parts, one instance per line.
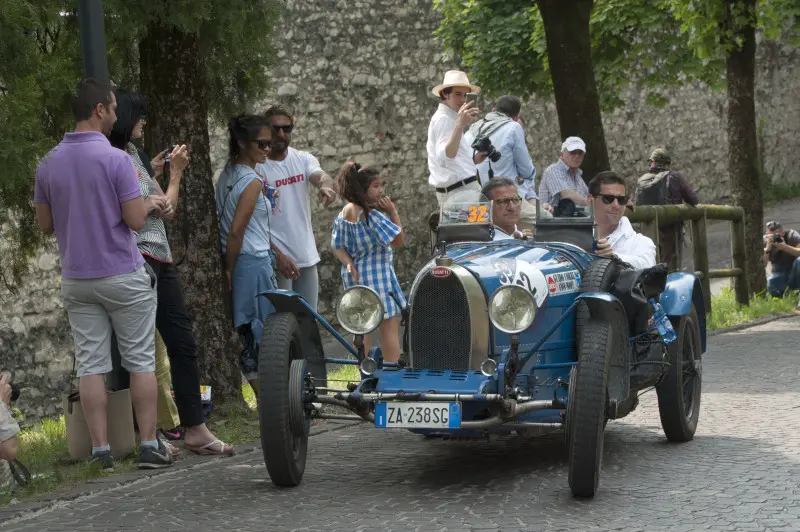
x=152 y=238
x=369 y=244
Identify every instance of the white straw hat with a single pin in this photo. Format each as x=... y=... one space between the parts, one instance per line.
x=455 y=78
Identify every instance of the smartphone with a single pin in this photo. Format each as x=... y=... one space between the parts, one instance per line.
x=472 y=97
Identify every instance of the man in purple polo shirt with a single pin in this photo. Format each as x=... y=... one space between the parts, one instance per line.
x=87 y=192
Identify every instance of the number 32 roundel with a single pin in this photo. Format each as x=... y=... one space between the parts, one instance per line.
x=513 y=271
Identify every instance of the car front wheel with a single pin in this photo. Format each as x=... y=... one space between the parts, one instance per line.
x=679 y=390
x=281 y=374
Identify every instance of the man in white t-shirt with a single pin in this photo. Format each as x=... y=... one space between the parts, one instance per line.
x=616 y=236
x=290 y=172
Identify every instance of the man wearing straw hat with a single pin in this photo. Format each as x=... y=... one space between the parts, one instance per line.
x=451 y=159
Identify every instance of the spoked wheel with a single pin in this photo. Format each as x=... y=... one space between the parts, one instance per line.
x=281 y=380
x=680 y=389
x=586 y=411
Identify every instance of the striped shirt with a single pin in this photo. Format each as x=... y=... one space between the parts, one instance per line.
x=152 y=238
x=558 y=177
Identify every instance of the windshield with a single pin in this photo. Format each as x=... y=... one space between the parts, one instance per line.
x=468 y=207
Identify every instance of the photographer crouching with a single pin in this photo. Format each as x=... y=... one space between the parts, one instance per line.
x=782 y=250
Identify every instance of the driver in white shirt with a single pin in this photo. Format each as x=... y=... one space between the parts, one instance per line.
x=615 y=234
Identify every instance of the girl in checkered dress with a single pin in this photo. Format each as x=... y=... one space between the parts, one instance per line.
x=362 y=239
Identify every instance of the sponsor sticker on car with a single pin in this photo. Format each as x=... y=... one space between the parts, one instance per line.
x=563 y=282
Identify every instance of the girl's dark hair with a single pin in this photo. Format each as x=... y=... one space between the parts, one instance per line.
x=354 y=180
x=131 y=107
x=243 y=128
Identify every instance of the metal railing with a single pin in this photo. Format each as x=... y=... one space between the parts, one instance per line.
x=653 y=217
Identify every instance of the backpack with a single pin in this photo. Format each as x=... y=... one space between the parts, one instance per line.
x=653 y=189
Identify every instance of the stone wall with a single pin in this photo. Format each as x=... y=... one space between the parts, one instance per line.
x=358 y=75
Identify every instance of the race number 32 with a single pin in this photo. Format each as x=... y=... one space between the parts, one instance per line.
x=477 y=214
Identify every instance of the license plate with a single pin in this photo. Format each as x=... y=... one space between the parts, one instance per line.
x=418 y=415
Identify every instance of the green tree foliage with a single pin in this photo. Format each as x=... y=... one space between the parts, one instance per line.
x=503 y=45
x=40 y=64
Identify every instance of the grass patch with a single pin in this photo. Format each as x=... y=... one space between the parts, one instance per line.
x=339 y=376
x=43 y=450
x=777 y=192
x=725 y=311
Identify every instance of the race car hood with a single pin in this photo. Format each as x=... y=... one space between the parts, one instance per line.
x=546 y=270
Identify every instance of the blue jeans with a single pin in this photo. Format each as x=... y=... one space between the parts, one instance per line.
x=779 y=281
x=251 y=276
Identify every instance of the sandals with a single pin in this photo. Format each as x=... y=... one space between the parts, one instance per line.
x=223 y=450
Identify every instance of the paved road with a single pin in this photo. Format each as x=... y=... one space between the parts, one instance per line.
x=740 y=472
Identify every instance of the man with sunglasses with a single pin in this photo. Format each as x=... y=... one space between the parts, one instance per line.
x=290 y=172
x=616 y=237
x=506 y=208
x=782 y=250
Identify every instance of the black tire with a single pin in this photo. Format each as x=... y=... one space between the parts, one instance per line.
x=284 y=449
x=299 y=416
x=598 y=277
x=587 y=410
x=680 y=390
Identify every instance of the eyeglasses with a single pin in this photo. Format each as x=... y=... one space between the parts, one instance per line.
x=505 y=202
x=608 y=199
x=285 y=129
x=262 y=144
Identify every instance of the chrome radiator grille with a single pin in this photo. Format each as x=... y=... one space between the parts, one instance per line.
x=439 y=328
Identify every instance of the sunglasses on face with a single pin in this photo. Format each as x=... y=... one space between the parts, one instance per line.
x=285 y=129
x=608 y=199
x=262 y=144
x=505 y=202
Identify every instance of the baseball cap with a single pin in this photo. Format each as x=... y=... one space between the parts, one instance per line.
x=572 y=144
x=660 y=155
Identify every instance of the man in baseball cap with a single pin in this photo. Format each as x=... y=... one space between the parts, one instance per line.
x=451 y=160
x=564 y=178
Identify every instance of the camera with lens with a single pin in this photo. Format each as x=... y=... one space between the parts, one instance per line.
x=777 y=239
x=14 y=387
x=483 y=144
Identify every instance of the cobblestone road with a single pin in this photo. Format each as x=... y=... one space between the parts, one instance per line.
x=740 y=473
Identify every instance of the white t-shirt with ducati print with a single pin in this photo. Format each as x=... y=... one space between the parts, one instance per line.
x=290 y=223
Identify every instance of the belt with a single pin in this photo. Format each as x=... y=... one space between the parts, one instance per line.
x=460 y=184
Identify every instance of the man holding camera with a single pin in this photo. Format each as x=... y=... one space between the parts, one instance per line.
x=8 y=427
x=782 y=250
x=451 y=157
x=504 y=131
x=563 y=180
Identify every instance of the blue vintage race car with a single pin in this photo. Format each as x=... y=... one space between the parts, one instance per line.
x=500 y=336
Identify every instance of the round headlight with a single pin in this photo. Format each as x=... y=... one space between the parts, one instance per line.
x=359 y=310
x=512 y=309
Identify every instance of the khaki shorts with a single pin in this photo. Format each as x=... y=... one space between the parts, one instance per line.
x=8 y=427
x=125 y=304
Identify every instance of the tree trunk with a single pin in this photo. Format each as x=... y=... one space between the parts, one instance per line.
x=173 y=80
x=742 y=142
x=569 y=52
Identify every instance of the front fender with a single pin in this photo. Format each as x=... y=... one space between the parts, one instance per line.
x=681 y=291
x=605 y=306
x=289 y=301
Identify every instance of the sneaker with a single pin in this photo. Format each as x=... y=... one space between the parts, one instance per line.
x=104 y=458
x=150 y=458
